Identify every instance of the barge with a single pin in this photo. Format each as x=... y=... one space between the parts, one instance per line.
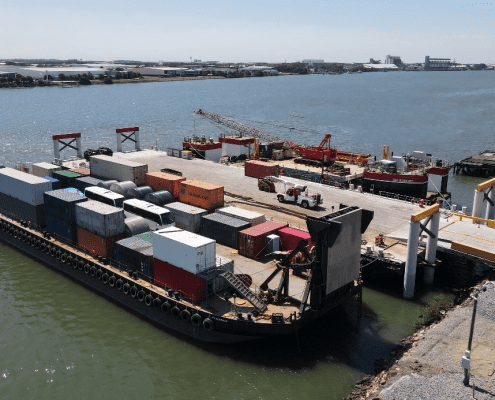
x=310 y=283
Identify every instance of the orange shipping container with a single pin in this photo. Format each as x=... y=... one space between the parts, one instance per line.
x=96 y=245
x=201 y=194
x=163 y=181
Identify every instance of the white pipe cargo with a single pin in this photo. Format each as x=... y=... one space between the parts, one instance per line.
x=478 y=203
x=431 y=248
x=411 y=260
x=490 y=210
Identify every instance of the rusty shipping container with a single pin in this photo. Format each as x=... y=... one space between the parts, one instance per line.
x=95 y=244
x=260 y=169
x=252 y=240
x=163 y=181
x=192 y=287
x=201 y=194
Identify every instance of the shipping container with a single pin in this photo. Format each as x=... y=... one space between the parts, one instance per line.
x=119 y=169
x=25 y=187
x=252 y=217
x=272 y=244
x=260 y=169
x=186 y=217
x=104 y=196
x=45 y=169
x=139 y=192
x=99 y=218
x=86 y=181
x=67 y=178
x=201 y=194
x=55 y=182
x=122 y=188
x=186 y=154
x=106 y=184
x=148 y=236
x=160 y=198
x=135 y=226
x=186 y=250
x=61 y=204
x=170 y=152
x=192 y=287
x=20 y=210
x=164 y=181
x=62 y=230
x=223 y=229
x=135 y=254
x=96 y=244
x=290 y=238
x=81 y=171
x=252 y=240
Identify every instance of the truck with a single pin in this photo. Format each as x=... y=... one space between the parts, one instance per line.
x=293 y=193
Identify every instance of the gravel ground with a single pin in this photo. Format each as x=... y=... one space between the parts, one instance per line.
x=441 y=386
x=486 y=302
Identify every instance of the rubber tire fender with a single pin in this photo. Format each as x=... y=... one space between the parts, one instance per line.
x=166 y=307
x=111 y=281
x=185 y=315
x=196 y=319
x=58 y=254
x=38 y=244
x=42 y=246
x=175 y=311
x=52 y=251
x=133 y=292
x=126 y=288
x=99 y=273
x=32 y=240
x=63 y=258
x=92 y=271
x=86 y=269
x=208 y=324
x=74 y=262
x=104 y=278
x=119 y=284
x=157 y=302
x=80 y=265
x=48 y=249
x=148 y=300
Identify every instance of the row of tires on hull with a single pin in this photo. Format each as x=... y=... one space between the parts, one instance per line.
x=107 y=277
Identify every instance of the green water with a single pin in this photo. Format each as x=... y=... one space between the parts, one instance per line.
x=59 y=340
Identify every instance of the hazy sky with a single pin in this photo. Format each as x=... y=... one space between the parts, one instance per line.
x=249 y=31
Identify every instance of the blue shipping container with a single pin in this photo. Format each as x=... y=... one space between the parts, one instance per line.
x=61 y=203
x=86 y=181
x=224 y=229
x=60 y=229
x=135 y=254
x=56 y=185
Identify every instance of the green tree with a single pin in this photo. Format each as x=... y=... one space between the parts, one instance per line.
x=108 y=81
x=84 y=80
x=118 y=75
x=61 y=76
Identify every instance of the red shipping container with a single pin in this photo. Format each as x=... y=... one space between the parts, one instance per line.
x=252 y=240
x=192 y=287
x=260 y=169
x=95 y=244
x=290 y=238
x=82 y=171
x=163 y=181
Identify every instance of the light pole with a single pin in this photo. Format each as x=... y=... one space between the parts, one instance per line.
x=466 y=359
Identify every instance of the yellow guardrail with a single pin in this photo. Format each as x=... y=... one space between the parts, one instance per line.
x=485 y=185
x=489 y=222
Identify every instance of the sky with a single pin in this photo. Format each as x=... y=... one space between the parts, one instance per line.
x=248 y=31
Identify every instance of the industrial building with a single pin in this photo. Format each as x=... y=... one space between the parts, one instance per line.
x=313 y=62
x=393 y=60
x=438 y=64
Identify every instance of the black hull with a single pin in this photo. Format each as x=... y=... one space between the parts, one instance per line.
x=224 y=330
x=418 y=190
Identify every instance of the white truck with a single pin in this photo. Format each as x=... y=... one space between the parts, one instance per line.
x=294 y=193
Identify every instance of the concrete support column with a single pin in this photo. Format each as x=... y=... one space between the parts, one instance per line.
x=56 y=149
x=138 y=143
x=478 y=203
x=490 y=210
x=119 y=142
x=411 y=260
x=79 y=147
x=431 y=248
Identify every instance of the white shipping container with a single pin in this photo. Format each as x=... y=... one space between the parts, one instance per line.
x=245 y=215
x=45 y=169
x=100 y=218
x=25 y=187
x=186 y=250
x=118 y=168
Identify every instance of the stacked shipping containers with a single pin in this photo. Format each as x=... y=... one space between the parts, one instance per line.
x=163 y=181
x=86 y=181
x=186 y=217
x=45 y=169
x=60 y=206
x=21 y=195
x=135 y=254
x=118 y=168
x=179 y=256
x=252 y=240
x=223 y=229
x=55 y=182
x=81 y=171
x=252 y=217
x=201 y=194
x=260 y=169
x=67 y=178
x=99 y=227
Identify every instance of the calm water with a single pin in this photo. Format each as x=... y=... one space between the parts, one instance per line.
x=59 y=340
